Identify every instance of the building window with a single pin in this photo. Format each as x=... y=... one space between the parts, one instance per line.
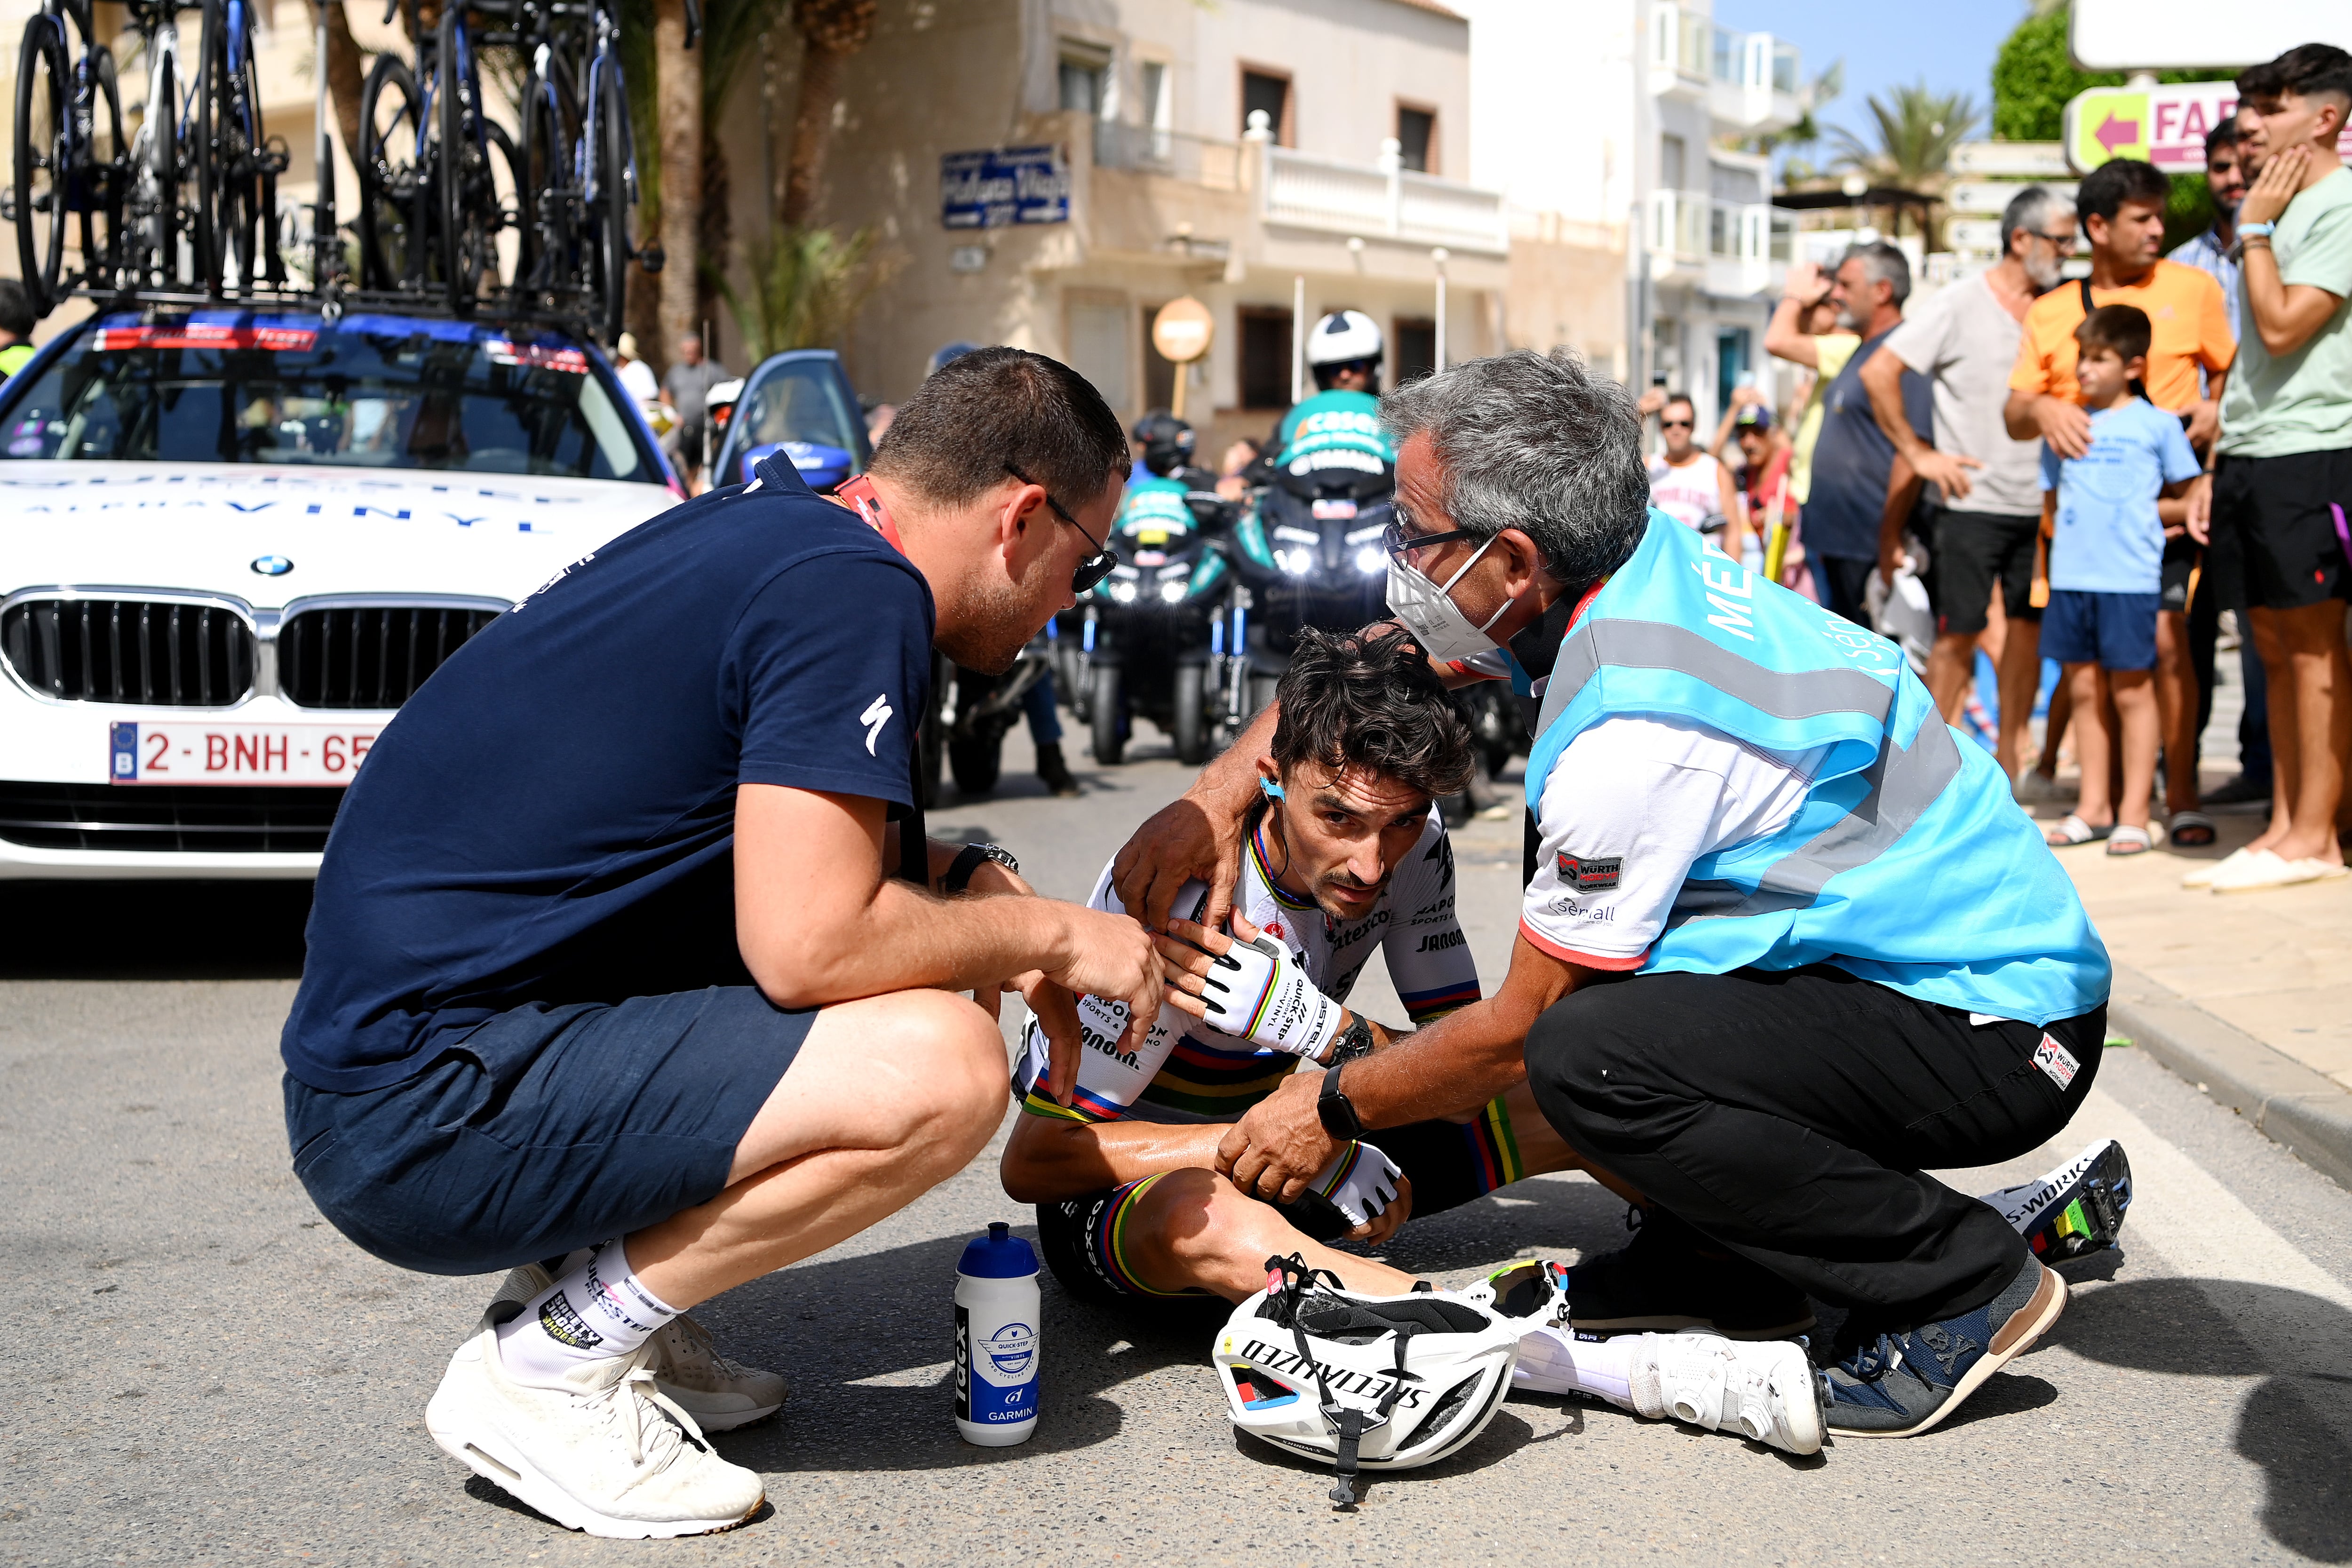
x=1414 y=354
x=1266 y=357
x=1158 y=104
x=1673 y=163
x=1158 y=371
x=1086 y=80
x=1098 y=340
x=1266 y=91
x=1416 y=135
x=1731 y=351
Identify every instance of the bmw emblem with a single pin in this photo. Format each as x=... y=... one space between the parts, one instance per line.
x=272 y=565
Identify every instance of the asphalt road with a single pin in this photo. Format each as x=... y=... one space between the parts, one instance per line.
x=203 y=1373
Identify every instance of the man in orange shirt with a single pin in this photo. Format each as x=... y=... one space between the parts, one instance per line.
x=2121 y=207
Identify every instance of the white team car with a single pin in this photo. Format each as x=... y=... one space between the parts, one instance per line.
x=234 y=542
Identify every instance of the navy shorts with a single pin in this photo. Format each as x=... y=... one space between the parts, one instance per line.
x=548 y=1128
x=2114 y=631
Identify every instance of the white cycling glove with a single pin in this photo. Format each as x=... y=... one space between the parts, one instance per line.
x=1361 y=1182
x=1258 y=992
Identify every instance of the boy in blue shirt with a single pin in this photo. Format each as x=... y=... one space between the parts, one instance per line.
x=2102 y=513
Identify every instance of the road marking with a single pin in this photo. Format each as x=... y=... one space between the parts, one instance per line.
x=2199 y=1224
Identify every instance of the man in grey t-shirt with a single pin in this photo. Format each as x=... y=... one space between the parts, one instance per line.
x=684 y=388
x=1989 y=487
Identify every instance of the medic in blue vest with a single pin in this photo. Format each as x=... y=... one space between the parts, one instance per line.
x=1786 y=940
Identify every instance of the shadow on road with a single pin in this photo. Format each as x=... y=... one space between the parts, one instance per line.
x=154 y=930
x=2184 y=1326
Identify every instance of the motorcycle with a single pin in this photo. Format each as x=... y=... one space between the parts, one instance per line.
x=1144 y=643
x=1309 y=553
x=970 y=715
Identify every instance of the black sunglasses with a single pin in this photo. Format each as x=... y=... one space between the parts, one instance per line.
x=1394 y=539
x=1095 y=567
x=1677 y=425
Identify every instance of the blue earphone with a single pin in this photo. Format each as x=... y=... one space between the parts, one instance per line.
x=1272 y=790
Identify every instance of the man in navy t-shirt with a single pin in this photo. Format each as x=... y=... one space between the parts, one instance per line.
x=1853 y=461
x=628 y=937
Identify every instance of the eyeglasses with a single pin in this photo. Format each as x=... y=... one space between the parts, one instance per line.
x=2059 y=241
x=1395 y=541
x=1676 y=424
x=1095 y=567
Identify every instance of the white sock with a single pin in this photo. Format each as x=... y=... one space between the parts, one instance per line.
x=598 y=1310
x=1556 y=1362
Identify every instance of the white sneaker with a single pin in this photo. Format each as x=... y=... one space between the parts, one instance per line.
x=600 y=1451
x=1762 y=1389
x=719 y=1392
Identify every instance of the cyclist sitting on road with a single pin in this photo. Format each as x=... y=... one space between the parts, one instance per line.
x=1345 y=855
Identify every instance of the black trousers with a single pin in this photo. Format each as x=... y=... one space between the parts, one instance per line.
x=1788 y=1113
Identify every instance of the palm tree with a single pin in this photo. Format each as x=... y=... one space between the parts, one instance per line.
x=1916 y=129
x=678 y=90
x=830 y=31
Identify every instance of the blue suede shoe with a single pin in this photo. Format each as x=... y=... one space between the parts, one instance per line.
x=1899 y=1385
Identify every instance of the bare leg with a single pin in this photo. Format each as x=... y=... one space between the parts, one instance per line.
x=2019 y=668
x=2286 y=751
x=1949 y=664
x=2311 y=725
x=2091 y=744
x=2054 y=728
x=2137 y=715
x=887 y=1098
x=2176 y=701
x=1193 y=1229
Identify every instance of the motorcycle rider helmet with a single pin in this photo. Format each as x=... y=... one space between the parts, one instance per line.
x=1341 y=340
x=1167 y=442
x=1366 y=1381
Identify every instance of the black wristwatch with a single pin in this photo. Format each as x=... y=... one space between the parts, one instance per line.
x=1355 y=1040
x=968 y=860
x=1338 y=1115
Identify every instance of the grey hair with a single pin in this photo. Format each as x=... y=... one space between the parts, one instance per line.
x=1539 y=443
x=2031 y=209
x=1883 y=263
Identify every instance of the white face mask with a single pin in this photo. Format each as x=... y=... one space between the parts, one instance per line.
x=1430 y=613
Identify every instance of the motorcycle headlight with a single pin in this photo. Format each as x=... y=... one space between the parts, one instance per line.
x=1297 y=562
x=1123 y=592
x=1173 y=590
x=1368 y=561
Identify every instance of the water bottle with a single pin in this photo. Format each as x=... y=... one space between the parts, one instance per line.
x=996 y=1339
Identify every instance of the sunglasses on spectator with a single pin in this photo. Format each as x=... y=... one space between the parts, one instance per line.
x=1094 y=568
x=2062 y=241
x=1676 y=424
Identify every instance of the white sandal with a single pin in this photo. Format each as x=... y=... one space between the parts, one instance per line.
x=2204 y=875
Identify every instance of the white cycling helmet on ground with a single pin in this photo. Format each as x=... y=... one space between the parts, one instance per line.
x=1344 y=337
x=1372 y=1382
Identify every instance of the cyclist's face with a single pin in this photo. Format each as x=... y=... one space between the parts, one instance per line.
x=1345 y=835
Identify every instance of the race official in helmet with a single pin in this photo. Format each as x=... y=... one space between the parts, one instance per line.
x=1165 y=448
x=1788 y=939
x=1343 y=353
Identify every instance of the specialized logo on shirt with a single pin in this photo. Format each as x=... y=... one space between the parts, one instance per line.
x=2056 y=1060
x=876 y=714
x=1273 y=929
x=566 y=1327
x=1592 y=874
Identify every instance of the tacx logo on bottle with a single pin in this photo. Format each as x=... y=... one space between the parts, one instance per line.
x=877 y=713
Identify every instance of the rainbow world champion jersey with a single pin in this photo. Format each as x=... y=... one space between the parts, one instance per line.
x=1187 y=1072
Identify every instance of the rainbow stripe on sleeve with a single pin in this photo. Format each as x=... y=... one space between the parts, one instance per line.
x=1424 y=1006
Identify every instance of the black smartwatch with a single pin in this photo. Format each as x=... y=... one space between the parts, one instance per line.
x=968 y=860
x=1338 y=1115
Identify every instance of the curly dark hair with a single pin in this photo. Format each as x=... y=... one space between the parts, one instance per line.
x=1369 y=700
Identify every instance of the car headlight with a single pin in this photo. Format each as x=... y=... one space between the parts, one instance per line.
x=1123 y=592
x=1368 y=561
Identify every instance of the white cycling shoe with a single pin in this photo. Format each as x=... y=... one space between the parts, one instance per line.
x=1766 y=1390
x=719 y=1392
x=600 y=1450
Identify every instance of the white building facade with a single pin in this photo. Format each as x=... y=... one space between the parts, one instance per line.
x=1634 y=112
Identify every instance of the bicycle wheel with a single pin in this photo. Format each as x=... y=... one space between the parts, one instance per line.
x=108 y=171
x=462 y=173
x=390 y=252
x=609 y=249
x=223 y=157
x=152 y=248
x=549 y=192
x=40 y=151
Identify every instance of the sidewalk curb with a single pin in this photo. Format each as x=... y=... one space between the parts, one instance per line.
x=2307 y=1111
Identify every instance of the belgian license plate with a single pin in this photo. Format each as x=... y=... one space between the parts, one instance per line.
x=200 y=753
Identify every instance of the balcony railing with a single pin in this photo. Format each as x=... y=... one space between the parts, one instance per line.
x=1381 y=198
x=1690 y=227
x=1148 y=149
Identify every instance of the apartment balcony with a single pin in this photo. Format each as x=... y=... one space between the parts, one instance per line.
x=1143 y=192
x=1751 y=82
x=1728 y=248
